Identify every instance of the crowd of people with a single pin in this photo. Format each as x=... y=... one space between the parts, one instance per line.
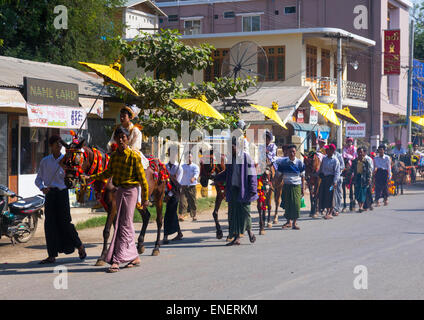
x=127 y=167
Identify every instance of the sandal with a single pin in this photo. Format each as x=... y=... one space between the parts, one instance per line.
x=328 y=216
x=178 y=237
x=235 y=242
x=112 y=270
x=287 y=226
x=252 y=239
x=132 y=265
x=47 y=261
x=295 y=227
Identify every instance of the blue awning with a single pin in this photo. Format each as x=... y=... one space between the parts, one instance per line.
x=308 y=127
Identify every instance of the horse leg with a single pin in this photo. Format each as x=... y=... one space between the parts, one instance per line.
x=344 y=196
x=218 y=201
x=277 y=196
x=269 y=206
x=261 y=219
x=145 y=216
x=159 y=221
x=106 y=233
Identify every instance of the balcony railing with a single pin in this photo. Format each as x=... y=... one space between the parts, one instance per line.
x=324 y=86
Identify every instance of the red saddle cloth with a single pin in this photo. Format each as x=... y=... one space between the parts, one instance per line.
x=160 y=172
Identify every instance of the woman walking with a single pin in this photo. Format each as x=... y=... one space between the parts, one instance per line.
x=127 y=173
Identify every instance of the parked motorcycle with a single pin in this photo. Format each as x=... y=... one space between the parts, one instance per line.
x=19 y=223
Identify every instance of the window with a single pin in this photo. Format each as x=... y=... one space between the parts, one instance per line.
x=229 y=14
x=173 y=18
x=192 y=27
x=325 y=63
x=289 y=10
x=160 y=20
x=251 y=23
x=276 y=63
x=311 y=62
x=214 y=71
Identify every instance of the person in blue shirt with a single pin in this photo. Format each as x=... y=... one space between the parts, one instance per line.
x=293 y=171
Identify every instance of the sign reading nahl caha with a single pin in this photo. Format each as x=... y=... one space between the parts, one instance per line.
x=53 y=93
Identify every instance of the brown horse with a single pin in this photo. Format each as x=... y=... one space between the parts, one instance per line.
x=312 y=165
x=277 y=186
x=208 y=169
x=399 y=173
x=80 y=159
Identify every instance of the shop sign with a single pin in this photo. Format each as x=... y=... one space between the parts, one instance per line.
x=355 y=130
x=44 y=116
x=52 y=93
x=313 y=116
x=300 y=116
x=391 y=52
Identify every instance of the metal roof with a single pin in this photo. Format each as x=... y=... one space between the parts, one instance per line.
x=14 y=70
x=308 y=127
x=288 y=98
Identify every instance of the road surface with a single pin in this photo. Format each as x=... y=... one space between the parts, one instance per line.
x=317 y=262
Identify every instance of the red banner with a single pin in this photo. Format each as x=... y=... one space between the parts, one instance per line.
x=391 y=52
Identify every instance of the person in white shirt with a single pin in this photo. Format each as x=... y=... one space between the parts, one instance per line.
x=382 y=175
x=170 y=223
x=61 y=235
x=191 y=173
x=398 y=150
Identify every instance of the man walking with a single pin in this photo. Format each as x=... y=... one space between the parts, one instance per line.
x=191 y=173
x=362 y=173
x=338 y=191
x=382 y=175
x=293 y=170
x=240 y=191
x=126 y=169
x=61 y=235
x=329 y=173
x=170 y=223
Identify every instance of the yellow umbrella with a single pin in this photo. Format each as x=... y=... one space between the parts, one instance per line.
x=201 y=107
x=111 y=75
x=326 y=111
x=417 y=120
x=345 y=115
x=270 y=113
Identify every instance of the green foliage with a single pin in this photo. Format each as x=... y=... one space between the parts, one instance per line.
x=418 y=14
x=27 y=29
x=166 y=56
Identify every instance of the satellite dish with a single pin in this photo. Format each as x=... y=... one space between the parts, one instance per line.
x=246 y=59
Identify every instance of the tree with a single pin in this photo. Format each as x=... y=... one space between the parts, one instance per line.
x=418 y=15
x=168 y=58
x=27 y=30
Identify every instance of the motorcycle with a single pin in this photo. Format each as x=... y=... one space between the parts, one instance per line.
x=19 y=223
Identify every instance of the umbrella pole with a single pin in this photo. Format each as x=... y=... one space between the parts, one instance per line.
x=97 y=98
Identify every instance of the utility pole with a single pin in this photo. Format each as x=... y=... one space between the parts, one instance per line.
x=339 y=90
x=410 y=68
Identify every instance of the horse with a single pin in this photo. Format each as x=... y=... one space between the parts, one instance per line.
x=277 y=183
x=80 y=159
x=312 y=165
x=208 y=172
x=347 y=175
x=264 y=201
x=398 y=174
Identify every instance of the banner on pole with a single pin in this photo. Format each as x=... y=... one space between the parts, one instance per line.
x=356 y=130
x=44 y=116
x=391 y=52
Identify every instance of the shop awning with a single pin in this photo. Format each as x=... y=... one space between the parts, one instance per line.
x=302 y=128
x=12 y=98
x=288 y=99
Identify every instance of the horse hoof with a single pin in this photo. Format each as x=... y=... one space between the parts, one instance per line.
x=275 y=222
x=269 y=225
x=261 y=232
x=100 y=263
x=140 y=250
x=155 y=252
x=219 y=234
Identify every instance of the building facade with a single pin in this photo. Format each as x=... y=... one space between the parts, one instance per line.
x=308 y=29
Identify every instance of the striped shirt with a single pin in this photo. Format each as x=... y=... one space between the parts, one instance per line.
x=292 y=170
x=126 y=170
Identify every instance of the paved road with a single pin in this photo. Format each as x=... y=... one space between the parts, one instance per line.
x=316 y=262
